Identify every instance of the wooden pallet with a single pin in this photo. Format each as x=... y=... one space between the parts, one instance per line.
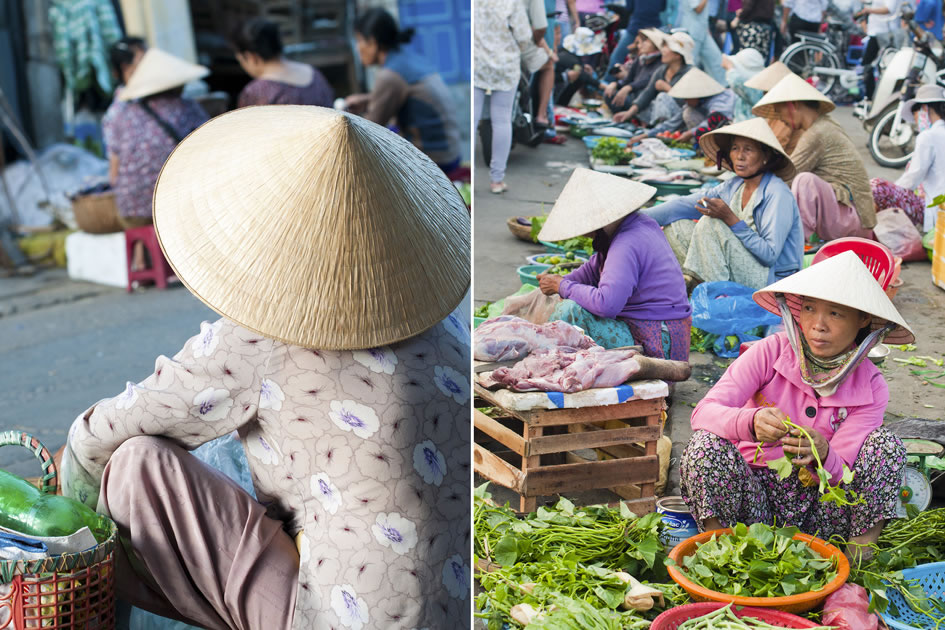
x=546 y=438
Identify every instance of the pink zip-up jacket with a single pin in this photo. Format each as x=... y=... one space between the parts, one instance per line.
x=767 y=375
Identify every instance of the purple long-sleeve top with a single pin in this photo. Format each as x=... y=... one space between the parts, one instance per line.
x=637 y=277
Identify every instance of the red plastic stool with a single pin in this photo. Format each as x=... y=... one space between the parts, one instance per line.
x=159 y=271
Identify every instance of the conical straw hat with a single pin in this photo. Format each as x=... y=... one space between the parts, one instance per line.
x=791 y=88
x=756 y=129
x=655 y=35
x=696 y=84
x=769 y=77
x=841 y=279
x=590 y=201
x=313 y=227
x=158 y=72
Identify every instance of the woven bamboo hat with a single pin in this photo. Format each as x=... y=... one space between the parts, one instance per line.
x=841 y=279
x=313 y=227
x=590 y=201
x=756 y=129
x=769 y=77
x=158 y=72
x=791 y=88
x=655 y=35
x=696 y=84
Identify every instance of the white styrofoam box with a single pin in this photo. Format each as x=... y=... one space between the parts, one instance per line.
x=97 y=258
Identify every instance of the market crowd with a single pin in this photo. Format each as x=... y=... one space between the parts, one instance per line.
x=792 y=181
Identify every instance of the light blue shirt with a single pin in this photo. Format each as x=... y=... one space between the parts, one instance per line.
x=777 y=240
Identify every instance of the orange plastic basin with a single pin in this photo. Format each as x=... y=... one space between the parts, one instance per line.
x=802 y=602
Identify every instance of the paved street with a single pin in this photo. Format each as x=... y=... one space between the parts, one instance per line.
x=70 y=344
x=535 y=178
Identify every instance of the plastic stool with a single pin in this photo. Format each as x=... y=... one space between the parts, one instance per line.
x=159 y=271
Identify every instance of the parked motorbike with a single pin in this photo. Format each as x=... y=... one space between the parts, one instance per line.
x=892 y=139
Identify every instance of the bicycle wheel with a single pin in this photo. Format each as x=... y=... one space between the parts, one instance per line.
x=804 y=58
x=892 y=150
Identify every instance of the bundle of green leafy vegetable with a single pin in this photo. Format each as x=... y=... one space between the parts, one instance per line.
x=903 y=544
x=725 y=619
x=611 y=151
x=482 y=311
x=614 y=538
x=759 y=561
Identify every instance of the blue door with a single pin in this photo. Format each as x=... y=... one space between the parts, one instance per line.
x=443 y=34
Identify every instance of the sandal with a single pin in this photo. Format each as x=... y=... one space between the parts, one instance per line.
x=498 y=187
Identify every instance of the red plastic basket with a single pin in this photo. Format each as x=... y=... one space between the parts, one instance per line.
x=71 y=590
x=675 y=617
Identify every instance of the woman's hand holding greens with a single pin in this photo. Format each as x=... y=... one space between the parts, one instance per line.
x=799 y=446
x=769 y=424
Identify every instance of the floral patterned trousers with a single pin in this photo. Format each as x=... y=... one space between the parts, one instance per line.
x=717 y=482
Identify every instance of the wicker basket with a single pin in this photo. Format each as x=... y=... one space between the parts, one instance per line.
x=523 y=232
x=71 y=590
x=97 y=213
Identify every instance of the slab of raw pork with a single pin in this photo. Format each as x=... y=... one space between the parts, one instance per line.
x=506 y=338
x=568 y=370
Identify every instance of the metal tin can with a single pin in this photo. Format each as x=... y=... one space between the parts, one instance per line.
x=679 y=522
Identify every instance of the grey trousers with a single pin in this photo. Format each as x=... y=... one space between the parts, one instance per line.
x=500 y=112
x=195 y=546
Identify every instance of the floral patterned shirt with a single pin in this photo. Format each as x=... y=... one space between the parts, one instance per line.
x=502 y=32
x=142 y=146
x=269 y=92
x=365 y=452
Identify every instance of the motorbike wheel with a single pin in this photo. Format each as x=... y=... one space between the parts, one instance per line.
x=886 y=151
x=485 y=137
x=803 y=57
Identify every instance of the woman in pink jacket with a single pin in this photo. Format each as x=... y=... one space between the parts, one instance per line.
x=814 y=374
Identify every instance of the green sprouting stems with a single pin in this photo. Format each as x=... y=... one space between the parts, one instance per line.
x=725 y=619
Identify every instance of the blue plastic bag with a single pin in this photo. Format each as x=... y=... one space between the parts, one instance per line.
x=726 y=308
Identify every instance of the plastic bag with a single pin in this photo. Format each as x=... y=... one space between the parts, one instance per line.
x=846 y=609
x=895 y=230
x=226 y=454
x=534 y=306
x=726 y=309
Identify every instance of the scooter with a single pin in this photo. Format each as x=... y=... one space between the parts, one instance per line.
x=892 y=139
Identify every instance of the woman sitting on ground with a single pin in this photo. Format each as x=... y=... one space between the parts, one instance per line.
x=926 y=170
x=813 y=374
x=631 y=290
x=276 y=80
x=654 y=104
x=340 y=358
x=749 y=229
x=707 y=105
x=407 y=90
x=619 y=94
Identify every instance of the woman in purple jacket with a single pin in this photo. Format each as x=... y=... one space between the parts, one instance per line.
x=631 y=290
x=813 y=374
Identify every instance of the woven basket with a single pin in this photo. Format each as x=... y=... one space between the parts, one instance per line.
x=523 y=232
x=71 y=590
x=97 y=213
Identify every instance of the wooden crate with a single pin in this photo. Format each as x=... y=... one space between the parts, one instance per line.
x=546 y=438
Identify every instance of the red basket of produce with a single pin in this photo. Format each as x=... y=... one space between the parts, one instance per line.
x=68 y=590
x=676 y=618
x=837 y=568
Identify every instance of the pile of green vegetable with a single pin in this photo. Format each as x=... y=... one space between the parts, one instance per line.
x=612 y=151
x=577 y=244
x=482 y=311
x=569 y=567
x=725 y=619
x=903 y=544
x=554 y=259
x=759 y=561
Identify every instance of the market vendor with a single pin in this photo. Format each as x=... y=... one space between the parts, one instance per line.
x=707 y=105
x=816 y=375
x=407 y=90
x=749 y=228
x=831 y=186
x=337 y=255
x=631 y=290
x=763 y=81
x=619 y=94
x=141 y=135
x=277 y=80
x=654 y=104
